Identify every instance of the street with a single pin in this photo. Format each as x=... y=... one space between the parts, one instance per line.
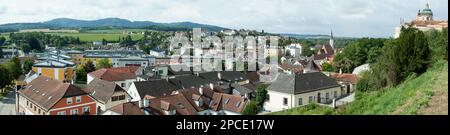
x=7 y=104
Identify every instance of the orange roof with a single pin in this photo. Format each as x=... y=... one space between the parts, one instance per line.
x=115 y=74
x=349 y=78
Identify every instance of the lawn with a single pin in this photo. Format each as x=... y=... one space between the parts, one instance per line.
x=91 y=37
x=115 y=31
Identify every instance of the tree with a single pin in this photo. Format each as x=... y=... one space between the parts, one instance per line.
x=103 y=63
x=26 y=49
x=34 y=44
x=261 y=94
x=2 y=40
x=89 y=66
x=306 y=50
x=327 y=67
x=14 y=68
x=1 y=53
x=27 y=65
x=104 y=42
x=81 y=74
x=5 y=78
x=412 y=52
x=251 y=108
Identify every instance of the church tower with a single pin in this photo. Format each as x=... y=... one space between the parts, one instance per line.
x=331 y=39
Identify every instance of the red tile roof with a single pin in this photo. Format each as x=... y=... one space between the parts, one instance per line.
x=115 y=74
x=347 y=78
x=130 y=108
x=46 y=92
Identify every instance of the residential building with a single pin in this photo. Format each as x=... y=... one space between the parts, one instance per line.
x=290 y=91
x=122 y=76
x=106 y=94
x=128 y=108
x=347 y=81
x=294 y=50
x=151 y=89
x=131 y=61
x=47 y=96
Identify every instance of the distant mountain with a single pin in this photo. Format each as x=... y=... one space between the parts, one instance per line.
x=60 y=23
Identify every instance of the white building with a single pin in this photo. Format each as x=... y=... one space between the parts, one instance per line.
x=294 y=50
x=290 y=91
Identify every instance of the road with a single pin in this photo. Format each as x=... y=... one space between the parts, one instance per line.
x=7 y=104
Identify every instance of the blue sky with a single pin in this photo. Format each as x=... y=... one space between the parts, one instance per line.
x=349 y=18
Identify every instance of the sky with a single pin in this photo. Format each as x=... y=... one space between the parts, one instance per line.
x=347 y=18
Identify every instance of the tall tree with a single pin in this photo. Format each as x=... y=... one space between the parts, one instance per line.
x=81 y=74
x=103 y=63
x=261 y=94
x=89 y=66
x=2 y=40
x=27 y=65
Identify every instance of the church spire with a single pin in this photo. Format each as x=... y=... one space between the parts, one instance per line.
x=331 y=39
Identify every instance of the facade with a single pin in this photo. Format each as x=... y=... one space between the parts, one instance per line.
x=106 y=94
x=56 y=69
x=424 y=21
x=290 y=91
x=294 y=50
x=131 y=61
x=47 y=96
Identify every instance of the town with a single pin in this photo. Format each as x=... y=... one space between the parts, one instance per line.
x=134 y=71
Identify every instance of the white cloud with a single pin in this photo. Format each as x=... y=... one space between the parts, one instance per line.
x=346 y=18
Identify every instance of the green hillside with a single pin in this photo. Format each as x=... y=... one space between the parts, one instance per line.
x=425 y=94
x=91 y=37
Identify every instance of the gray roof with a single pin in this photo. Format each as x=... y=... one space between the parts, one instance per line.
x=302 y=83
x=156 y=88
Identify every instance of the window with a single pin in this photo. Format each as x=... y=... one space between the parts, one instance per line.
x=27 y=103
x=35 y=108
x=123 y=84
x=86 y=110
x=335 y=94
x=39 y=111
x=310 y=100
x=74 y=112
x=78 y=98
x=69 y=100
x=121 y=97
x=61 y=113
x=31 y=105
x=327 y=96
x=285 y=101
x=300 y=101
x=114 y=98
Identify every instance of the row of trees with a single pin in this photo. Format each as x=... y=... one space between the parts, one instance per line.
x=37 y=40
x=407 y=56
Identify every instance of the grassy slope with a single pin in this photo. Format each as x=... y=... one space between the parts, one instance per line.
x=91 y=37
x=407 y=98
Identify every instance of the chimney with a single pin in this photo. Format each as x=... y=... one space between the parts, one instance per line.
x=211 y=85
x=200 y=90
x=146 y=102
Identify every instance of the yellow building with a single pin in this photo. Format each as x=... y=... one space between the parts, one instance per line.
x=56 y=69
x=95 y=59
